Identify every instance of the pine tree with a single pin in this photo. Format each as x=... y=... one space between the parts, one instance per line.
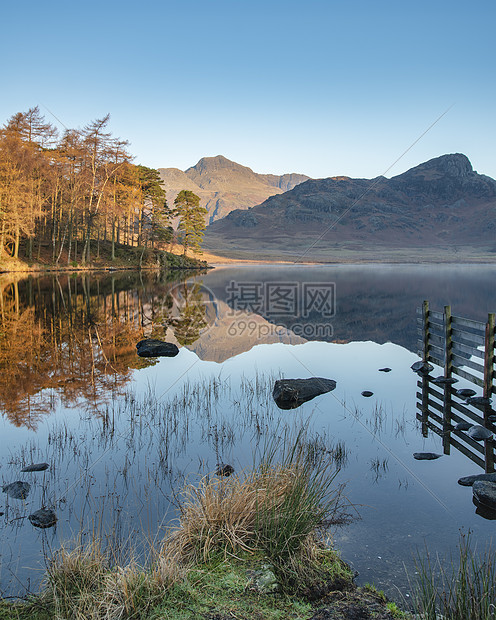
x=191 y=227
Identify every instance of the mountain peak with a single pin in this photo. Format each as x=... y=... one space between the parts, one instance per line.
x=451 y=165
x=212 y=164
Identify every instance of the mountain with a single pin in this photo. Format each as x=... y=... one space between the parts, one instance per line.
x=224 y=185
x=440 y=203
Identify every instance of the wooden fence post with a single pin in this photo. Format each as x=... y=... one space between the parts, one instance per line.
x=448 y=367
x=489 y=386
x=425 y=357
x=489 y=356
x=426 y=330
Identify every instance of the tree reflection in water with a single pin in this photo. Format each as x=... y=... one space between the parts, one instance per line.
x=73 y=337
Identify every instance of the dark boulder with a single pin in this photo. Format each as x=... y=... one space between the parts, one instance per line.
x=463 y=426
x=367 y=393
x=479 y=432
x=444 y=380
x=150 y=347
x=479 y=401
x=35 y=467
x=465 y=393
x=385 y=369
x=426 y=456
x=485 y=493
x=484 y=511
x=468 y=481
x=17 y=490
x=291 y=393
x=43 y=518
x=423 y=368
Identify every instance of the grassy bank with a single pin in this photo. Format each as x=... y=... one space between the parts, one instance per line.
x=125 y=257
x=251 y=545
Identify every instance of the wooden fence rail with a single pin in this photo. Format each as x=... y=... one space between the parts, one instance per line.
x=464 y=348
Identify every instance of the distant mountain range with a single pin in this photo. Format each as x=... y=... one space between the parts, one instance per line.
x=442 y=202
x=224 y=185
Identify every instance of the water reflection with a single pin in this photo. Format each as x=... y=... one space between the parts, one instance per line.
x=69 y=346
x=76 y=335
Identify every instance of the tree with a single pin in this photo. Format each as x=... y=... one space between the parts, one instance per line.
x=191 y=227
x=154 y=213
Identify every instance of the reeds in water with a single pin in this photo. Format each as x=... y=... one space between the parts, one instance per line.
x=466 y=590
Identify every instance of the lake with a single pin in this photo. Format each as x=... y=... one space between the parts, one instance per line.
x=122 y=434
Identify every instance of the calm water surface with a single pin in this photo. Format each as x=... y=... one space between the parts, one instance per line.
x=121 y=434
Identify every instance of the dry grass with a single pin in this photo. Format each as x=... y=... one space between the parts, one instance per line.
x=223 y=513
x=274 y=510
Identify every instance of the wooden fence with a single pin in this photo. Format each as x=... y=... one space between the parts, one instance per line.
x=464 y=348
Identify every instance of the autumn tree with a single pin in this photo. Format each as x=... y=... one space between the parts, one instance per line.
x=64 y=193
x=191 y=227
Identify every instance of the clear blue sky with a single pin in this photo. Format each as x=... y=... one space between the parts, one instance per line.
x=319 y=87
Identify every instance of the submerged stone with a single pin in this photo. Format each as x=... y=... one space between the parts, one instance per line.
x=17 y=490
x=426 y=456
x=367 y=393
x=423 y=368
x=35 y=467
x=151 y=347
x=291 y=393
x=480 y=401
x=479 y=432
x=444 y=380
x=224 y=470
x=43 y=518
x=463 y=426
x=465 y=393
x=468 y=481
x=484 y=511
x=485 y=493
x=384 y=369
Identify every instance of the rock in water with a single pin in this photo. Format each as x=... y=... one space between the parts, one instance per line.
x=465 y=393
x=224 y=470
x=150 y=347
x=43 y=518
x=468 y=481
x=478 y=432
x=17 y=490
x=463 y=426
x=480 y=401
x=444 y=380
x=484 y=511
x=423 y=368
x=426 y=456
x=35 y=467
x=291 y=393
x=485 y=493
x=385 y=369
x=367 y=393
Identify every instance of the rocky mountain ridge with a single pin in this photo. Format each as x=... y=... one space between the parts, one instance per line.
x=441 y=201
x=224 y=185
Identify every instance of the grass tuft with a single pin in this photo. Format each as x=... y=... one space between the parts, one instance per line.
x=275 y=510
x=466 y=590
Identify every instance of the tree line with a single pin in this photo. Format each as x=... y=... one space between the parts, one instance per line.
x=62 y=195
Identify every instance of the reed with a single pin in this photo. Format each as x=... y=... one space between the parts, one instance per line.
x=466 y=589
